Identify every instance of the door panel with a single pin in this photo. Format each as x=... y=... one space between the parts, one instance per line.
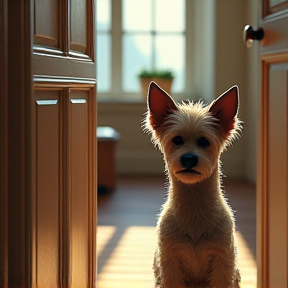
x=272 y=198
x=79 y=195
x=47 y=29
x=277 y=181
x=78 y=30
x=274 y=6
x=48 y=187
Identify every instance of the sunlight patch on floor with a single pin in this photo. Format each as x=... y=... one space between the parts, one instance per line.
x=104 y=234
x=130 y=259
x=125 y=257
x=246 y=263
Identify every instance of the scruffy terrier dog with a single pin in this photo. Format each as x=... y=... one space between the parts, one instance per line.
x=196 y=229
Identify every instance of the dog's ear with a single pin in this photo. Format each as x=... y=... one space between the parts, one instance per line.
x=225 y=109
x=160 y=105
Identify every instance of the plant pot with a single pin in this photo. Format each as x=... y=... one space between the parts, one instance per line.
x=144 y=82
x=164 y=83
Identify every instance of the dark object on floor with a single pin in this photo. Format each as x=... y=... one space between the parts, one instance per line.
x=102 y=190
x=107 y=138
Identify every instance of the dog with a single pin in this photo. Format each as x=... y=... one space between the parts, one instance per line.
x=196 y=245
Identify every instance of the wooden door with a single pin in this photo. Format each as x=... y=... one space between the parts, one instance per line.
x=63 y=144
x=48 y=155
x=272 y=191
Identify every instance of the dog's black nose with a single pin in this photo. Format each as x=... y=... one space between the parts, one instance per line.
x=189 y=160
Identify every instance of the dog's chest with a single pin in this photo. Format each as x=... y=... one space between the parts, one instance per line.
x=193 y=259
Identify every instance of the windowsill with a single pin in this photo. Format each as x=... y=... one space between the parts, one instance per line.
x=120 y=98
x=120 y=101
x=133 y=98
x=123 y=107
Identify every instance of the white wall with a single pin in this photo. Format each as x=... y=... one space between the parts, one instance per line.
x=135 y=153
x=252 y=101
x=222 y=62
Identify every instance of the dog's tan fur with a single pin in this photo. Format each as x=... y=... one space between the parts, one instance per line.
x=196 y=230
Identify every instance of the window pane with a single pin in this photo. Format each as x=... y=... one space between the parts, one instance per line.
x=136 y=56
x=170 y=17
x=103 y=62
x=137 y=15
x=166 y=46
x=103 y=15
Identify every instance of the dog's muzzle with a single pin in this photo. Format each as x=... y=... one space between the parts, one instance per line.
x=189 y=160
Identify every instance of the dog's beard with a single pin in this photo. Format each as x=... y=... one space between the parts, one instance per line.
x=207 y=163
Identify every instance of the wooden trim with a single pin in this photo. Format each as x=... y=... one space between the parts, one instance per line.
x=263 y=163
x=41 y=50
x=274 y=41
x=33 y=212
x=274 y=58
x=75 y=54
x=61 y=82
x=287 y=186
x=45 y=50
x=45 y=65
x=66 y=188
x=19 y=37
x=262 y=206
x=92 y=189
x=3 y=146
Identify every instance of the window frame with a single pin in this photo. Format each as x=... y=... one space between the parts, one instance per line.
x=116 y=94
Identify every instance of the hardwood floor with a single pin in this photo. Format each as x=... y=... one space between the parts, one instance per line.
x=126 y=231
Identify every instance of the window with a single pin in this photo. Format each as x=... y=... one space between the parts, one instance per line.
x=140 y=34
x=103 y=45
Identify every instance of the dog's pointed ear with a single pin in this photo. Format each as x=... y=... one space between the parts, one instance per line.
x=160 y=105
x=225 y=109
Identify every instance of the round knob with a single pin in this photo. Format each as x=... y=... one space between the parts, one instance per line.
x=249 y=35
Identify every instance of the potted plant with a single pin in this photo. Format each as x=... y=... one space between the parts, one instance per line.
x=164 y=78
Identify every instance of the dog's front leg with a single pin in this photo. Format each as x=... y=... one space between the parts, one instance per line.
x=156 y=268
x=173 y=274
x=224 y=274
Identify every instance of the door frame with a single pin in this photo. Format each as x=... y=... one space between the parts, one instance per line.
x=16 y=149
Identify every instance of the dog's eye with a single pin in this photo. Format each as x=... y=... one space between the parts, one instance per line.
x=203 y=142
x=178 y=140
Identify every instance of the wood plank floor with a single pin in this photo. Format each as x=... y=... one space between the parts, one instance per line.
x=126 y=231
